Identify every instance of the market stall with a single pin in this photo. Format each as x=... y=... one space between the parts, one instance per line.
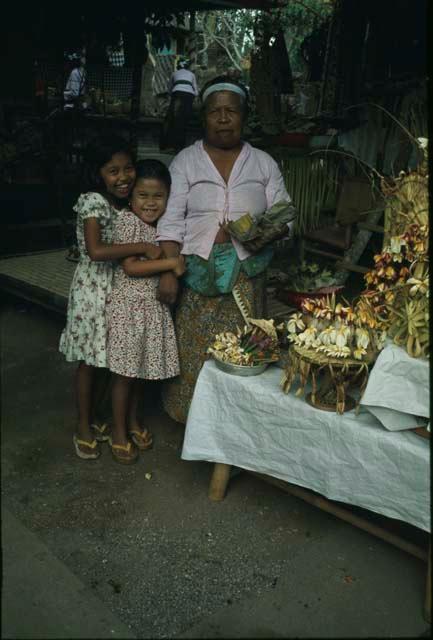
x=342 y=414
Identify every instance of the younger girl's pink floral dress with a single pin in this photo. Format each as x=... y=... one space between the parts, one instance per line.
x=141 y=337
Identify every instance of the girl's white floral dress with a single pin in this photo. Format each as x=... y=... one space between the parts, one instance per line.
x=85 y=335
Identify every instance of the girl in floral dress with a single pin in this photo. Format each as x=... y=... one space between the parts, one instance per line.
x=141 y=338
x=111 y=171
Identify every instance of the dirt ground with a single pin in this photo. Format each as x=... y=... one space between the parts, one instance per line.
x=154 y=555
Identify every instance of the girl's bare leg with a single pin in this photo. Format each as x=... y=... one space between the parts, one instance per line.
x=140 y=435
x=101 y=397
x=133 y=421
x=84 y=387
x=121 y=396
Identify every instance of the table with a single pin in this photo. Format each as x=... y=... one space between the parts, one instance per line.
x=250 y=423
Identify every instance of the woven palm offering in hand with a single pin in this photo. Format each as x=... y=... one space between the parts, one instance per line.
x=255 y=233
x=335 y=342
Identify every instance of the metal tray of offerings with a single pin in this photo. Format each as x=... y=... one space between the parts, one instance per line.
x=241 y=369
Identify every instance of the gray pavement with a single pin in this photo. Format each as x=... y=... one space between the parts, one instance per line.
x=42 y=598
x=96 y=549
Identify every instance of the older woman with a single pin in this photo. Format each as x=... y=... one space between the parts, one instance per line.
x=215 y=180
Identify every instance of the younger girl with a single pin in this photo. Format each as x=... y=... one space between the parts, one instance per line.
x=141 y=338
x=112 y=173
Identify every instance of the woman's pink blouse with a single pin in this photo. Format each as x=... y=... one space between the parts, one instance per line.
x=200 y=200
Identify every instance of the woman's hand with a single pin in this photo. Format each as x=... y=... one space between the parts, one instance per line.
x=180 y=268
x=168 y=288
x=153 y=252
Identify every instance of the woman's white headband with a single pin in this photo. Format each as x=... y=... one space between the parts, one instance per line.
x=224 y=86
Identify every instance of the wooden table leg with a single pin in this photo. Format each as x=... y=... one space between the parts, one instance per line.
x=219 y=481
x=427 y=604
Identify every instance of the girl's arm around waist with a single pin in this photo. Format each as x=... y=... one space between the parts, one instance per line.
x=133 y=266
x=100 y=251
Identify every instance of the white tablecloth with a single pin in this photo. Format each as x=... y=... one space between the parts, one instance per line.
x=398 y=389
x=250 y=423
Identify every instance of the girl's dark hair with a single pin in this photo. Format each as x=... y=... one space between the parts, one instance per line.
x=98 y=153
x=226 y=78
x=150 y=168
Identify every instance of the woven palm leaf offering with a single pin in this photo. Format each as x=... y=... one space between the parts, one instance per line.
x=248 y=351
x=255 y=233
x=398 y=285
x=333 y=343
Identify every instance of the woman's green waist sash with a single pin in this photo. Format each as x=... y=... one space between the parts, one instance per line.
x=220 y=272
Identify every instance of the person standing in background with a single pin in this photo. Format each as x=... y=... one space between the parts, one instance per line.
x=183 y=88
x=76 y=84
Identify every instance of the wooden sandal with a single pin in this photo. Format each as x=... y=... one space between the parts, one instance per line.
x=142 y=439
x=128 y=449
x=90 y=445
x=101 y=431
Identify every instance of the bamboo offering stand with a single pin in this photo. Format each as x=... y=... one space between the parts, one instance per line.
x=339 y=374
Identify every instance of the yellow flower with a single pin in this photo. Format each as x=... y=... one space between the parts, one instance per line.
x=308 y=305
x=362 y=338
x=323 y=313
x=419 y=246
x=365 y=313
x=308 y=336
x=389 y=297
x=371 y=277
x=342 y=336
x=397 y=257
x=390 y=273
x=359 y=353
x=345 y=312
x=295 y=322
x=350 y=314
x=420 y=286
x=326 y=335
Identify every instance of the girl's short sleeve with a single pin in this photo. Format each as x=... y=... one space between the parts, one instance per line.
x=126 y=228
x=93 y=205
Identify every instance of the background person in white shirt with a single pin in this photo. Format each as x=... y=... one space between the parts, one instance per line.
x=76 y=84
x=183 y=88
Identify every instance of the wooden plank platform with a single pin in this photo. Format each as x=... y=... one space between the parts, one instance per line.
x=43 y=277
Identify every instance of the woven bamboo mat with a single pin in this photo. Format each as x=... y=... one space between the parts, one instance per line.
x=43 y=277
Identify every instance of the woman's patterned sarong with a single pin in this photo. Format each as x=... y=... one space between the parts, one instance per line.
x=198 y=318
